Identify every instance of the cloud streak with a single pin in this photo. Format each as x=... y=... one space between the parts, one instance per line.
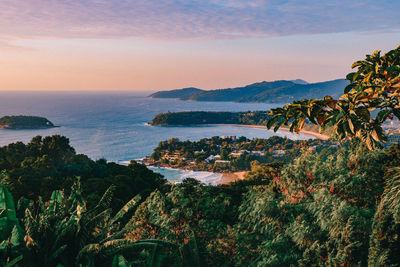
x=195 y=19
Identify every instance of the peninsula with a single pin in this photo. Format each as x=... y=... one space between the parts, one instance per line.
x=245 y=119
x=25 y=122
x=210 y=117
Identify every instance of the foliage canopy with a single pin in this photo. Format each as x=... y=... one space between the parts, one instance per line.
x=375 y=85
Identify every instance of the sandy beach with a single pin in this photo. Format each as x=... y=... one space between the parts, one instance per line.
x=231 y=177
x=226 y=178
x=206 y=177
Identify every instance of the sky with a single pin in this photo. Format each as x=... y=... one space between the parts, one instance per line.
x=159 y=45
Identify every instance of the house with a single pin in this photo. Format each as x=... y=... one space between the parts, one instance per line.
x=172 y=156
x=212 y=157
x=257 y=153
x=222 y=162
x=312 y=148
x=147 y=160
x=199 y=152
x=232 y=137
x=236 y=154
x=278 y=153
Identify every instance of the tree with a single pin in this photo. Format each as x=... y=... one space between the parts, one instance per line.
x=374 y=86
x=62 y=232
x=385 y=243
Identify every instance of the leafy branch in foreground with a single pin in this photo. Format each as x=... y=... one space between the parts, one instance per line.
x=374 y=86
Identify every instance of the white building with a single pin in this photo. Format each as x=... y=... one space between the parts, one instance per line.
x=212 y=157
x=222 y=162
x=278 y=153
x=232 y=137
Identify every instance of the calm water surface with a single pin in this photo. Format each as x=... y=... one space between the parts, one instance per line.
x=112 y=125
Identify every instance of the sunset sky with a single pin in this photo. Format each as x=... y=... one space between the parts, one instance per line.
x=168 y=44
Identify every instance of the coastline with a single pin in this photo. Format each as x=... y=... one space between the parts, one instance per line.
x=217 y=178
x=286 y=129
x=232 y=177
x=226 y=178
x=6 y=127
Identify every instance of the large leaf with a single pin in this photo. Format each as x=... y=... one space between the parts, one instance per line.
x=126 y=209
x=8 y=218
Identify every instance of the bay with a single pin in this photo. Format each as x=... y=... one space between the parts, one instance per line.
x=113 y=125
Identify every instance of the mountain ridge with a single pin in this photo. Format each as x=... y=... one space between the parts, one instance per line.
x=280 y=91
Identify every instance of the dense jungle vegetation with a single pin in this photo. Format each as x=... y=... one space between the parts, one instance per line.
x=337 y=208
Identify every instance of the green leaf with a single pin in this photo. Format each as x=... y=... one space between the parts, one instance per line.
x=393 y=68
x=382 y=115
x=119 y=261
x=8 y=218
x=278 y=125
x=351 y=126
x=375 y=135
x=368 y=142
x=396 y=112
x=356 y=64
x=350 y=76
x=363 y=114
x=126 y=208
x=272 y=121
x=14 y=261
x=348 y=88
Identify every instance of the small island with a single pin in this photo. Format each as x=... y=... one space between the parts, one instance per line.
x=25 y=122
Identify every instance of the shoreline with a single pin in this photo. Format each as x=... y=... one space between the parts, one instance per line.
x=229 y=177
x=286 y=129
x=226 y=177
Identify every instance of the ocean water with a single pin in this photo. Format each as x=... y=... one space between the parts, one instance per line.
x=113 y=125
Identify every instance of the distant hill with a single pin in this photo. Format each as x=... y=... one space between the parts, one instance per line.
x=24 y=122
x=268 y=92
x=178 y=93
x=299 y=81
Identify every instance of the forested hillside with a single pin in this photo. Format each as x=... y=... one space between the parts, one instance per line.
x=210 y=117
x=178 y=93
x=329 y=208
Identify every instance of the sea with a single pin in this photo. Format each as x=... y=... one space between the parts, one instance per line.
x=114 y=125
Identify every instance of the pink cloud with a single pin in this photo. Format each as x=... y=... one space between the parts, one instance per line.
x=179 y=19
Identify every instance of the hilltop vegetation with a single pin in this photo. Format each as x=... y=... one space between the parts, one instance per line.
x=268 y=92
x=211 y=117
x=325 y=208
x=24 y=122
x=46 y=164
x=329 y=208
